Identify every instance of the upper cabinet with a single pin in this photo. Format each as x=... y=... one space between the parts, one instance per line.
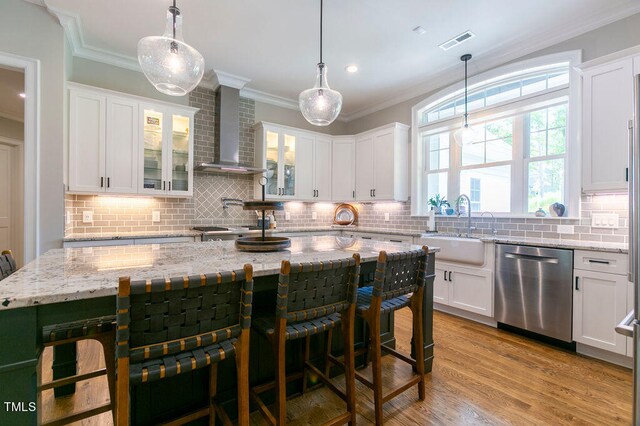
x=123 y=144
x=343 y=173
x=607 y=108
x=314 y=165
x=277 y=151
x=382 y=164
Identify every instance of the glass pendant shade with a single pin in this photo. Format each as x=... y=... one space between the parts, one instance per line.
x=320 y=105
x=171 y=65
x=467 y=135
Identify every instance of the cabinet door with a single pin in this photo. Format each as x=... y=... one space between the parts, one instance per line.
x=155 y=131
x=122 y=149
x=87 y=141
x=441 y=287
x=383 y=165
x=607 y=108
x=304 y=164
x=599 y=304
x=471 y=290
x=364 y=168
x=321 y=169
x=343 y=170
x=272 y=154
x=288 y=165
x=180 y=156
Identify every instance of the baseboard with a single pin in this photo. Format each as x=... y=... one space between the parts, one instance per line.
x=603 y=355
x=465 y=314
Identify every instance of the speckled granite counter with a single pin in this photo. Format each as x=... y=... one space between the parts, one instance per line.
x=131 y=235
x=79 y=273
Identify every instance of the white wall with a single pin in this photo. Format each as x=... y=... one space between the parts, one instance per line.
x=294 y=118
x=11 y=129
x=599 y=42
x=29 y=31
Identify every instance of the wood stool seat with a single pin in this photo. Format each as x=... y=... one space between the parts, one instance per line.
x=365 y=296
x=78 y=329
x=298 y=330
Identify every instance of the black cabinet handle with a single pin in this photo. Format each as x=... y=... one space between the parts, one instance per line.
x=603 y=262
x=354 y=194
x=578 y=283
x=449 y=275
x=627 y=174
x=169 y=185
x=445 y=275
x=108 y=182
x=101 y=182
x=164 y=185
x=374 y=192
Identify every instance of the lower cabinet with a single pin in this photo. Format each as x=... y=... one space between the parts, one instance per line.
x=469 y=289
x=599 y=303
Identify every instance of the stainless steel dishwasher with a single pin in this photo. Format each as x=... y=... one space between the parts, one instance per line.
x=534 y=289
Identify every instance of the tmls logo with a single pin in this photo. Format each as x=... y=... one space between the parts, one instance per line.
x=19 y=407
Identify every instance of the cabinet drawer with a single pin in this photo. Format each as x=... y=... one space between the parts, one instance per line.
x=612 y=263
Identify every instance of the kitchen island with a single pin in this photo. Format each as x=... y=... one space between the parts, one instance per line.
x=73 y=284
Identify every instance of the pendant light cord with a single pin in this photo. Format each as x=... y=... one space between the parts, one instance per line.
x=465 y=92
x=175 y=12
x=321 y=1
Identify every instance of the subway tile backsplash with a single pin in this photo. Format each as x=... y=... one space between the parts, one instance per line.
x=134 y=214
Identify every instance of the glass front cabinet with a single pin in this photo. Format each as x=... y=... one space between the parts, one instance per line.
x=276 y=152
x=167 y=151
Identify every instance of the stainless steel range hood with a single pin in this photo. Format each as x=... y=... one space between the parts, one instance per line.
x=227 y=134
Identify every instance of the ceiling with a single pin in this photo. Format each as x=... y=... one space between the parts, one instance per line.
x=275 y=43
x=11 y=85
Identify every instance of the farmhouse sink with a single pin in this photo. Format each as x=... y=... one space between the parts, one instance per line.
x=457 y=249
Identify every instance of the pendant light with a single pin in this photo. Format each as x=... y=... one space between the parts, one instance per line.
x=171 y=65
x=320 y=105
x=466 y=134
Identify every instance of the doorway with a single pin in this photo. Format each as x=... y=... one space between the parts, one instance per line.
x=12 y=161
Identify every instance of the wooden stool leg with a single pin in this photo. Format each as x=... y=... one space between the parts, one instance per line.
x=327 y=353
x=305 y=360
x=280 y=380
x=349 y=364
x=108 y=343
x=242 y=366
x=213 y=391
x=376 y=364
x=416 y=310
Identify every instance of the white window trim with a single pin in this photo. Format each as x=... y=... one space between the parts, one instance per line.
x=573 y=155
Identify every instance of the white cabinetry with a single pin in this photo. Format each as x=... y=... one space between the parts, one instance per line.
x=607 y=107
x=382 y=164
x=313 y=162
x=469 y=289
x=600 y=300
x=122 y=144
x=343 y=173
x=277 y=151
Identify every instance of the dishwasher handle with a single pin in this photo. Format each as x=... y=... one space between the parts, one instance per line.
x=625 y=328
x=542 y=259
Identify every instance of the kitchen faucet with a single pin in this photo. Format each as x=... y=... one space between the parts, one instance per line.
x=494 y=231
x=226 y=202
x=457 y=203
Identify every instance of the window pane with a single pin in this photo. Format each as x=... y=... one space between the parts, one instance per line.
x=490 y=187
x=446 y=110
x=538 y=120
x=503 y=92
x=538 y=144
x=436 y=184
x=558 y=79
x=558 y=116
x=534 y=84
x=432 y=116
x=438 y=146
x=557 y=142
x=546 y=183
x=499 y=150
x=473 y=153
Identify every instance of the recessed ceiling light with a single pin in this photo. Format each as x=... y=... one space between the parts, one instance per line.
x=351 y=68
x=22 y=95
x=419 y=30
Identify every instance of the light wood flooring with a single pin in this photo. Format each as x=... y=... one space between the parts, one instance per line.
x=481 y=375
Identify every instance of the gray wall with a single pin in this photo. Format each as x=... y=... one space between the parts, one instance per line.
x=11 y=129
x=29 y=31
x=611 y=38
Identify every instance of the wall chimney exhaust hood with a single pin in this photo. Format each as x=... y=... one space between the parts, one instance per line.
x=227 y=134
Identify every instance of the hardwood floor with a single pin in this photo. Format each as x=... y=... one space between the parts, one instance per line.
x=481 y=375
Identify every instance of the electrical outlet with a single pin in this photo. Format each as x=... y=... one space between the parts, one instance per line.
x=314 y=215
x=155 y=216
x=565 y=229
x=604 y=220
x=386 y=217
x=287 y=215
x=87 y=216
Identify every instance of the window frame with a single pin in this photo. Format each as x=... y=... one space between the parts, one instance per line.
x=517 y=107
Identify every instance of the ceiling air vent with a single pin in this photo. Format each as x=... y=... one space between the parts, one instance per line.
x=459 y=39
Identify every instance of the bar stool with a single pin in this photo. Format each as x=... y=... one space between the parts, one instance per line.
x=399 y=282
x=7 y=264
x=312 y=298
x=101 y=329
x=167 y=327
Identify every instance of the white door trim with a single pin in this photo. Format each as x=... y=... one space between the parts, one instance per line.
x=31 y=169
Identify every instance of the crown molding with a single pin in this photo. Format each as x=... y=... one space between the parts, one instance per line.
x=511 y=50
x=231 y=80
x=268 y=98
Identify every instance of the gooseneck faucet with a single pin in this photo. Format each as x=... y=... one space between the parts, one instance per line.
x=457 y=203
x=494 y=231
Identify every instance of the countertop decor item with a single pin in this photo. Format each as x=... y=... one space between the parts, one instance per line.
x=540 y=213
x=170 y=64
x=320 y=105
x=466 y=134
x=263 y=243
x=557 y=209
x=345 y=214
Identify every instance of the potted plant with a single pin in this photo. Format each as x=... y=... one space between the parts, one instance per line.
x=437 y=203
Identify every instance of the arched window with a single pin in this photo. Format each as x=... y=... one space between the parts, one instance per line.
x=519 y=161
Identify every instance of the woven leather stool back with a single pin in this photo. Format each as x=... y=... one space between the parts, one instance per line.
x=310 y=290
x=7 y=264
x=165 y=316
x=399 y=273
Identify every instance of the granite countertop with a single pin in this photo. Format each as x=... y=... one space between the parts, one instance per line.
x=62 y=275
x=131 y=235
x=352 y=228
